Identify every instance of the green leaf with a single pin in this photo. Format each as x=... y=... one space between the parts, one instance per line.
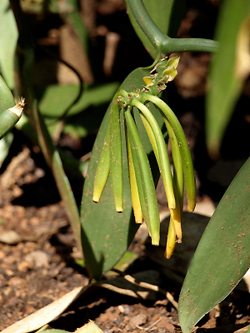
x=222 y=256
x=5 y=144
x=55 y=99
x=73 y=15
x=224 y=85
x=53 y=160
x=127 y=259
x=6 y=97
x=106 y=234
x=8 y=41
x=167 y=15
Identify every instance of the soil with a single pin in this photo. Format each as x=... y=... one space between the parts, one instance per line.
x=39 y=259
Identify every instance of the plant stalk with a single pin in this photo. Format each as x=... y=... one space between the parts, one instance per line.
x=161 y=42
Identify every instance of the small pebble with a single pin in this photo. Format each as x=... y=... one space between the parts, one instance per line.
x=2 y=255
x=23 y=266
x=124 y=308
x=10 y=237
x=7 y=291
x=37 y=259
x=9 y=272
x=16 y=282
x=138 y=320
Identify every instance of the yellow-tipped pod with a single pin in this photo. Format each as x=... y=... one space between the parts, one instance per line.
x=170 y=240
x=139 y=181
x=176 y=215
x=164 y=164
x=178 y=182
x=134 y=187
x=151 y=205
x=116 y=171
x=102 y=170
x=178 y=175
x=187 y=162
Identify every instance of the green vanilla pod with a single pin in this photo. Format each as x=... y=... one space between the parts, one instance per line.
x=139 y=181
x=116 y=170
x=134 y=187
x=9 y=117
x=151 y=136
x=170 y=245
x=187 y=162
x=147 y=180
x=103 y=167
x=164 y=164
x=178 y=182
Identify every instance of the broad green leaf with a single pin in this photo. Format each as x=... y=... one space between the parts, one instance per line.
x=222 y=256
x=225 y=81
x=55 y=99
x=167 y=15
x=8 y=41
x=106 y=234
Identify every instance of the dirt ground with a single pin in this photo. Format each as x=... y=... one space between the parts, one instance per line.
x=39 y=260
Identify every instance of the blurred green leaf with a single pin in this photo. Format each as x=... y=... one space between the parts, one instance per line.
x=80 y=262
x=167 y=15
x=224 y=85
x=222 y=256
x=74 y=167
x=73 y=15
x=41 y=6
x=127 y=259
x=55 y=99
x=85 y=123
x=5 y=144
x=8 y=41
x=6 y=97
x=106 y=234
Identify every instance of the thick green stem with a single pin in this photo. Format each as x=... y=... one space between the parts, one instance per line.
x=150 y=29
x=171 y=45
x=160 y=41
